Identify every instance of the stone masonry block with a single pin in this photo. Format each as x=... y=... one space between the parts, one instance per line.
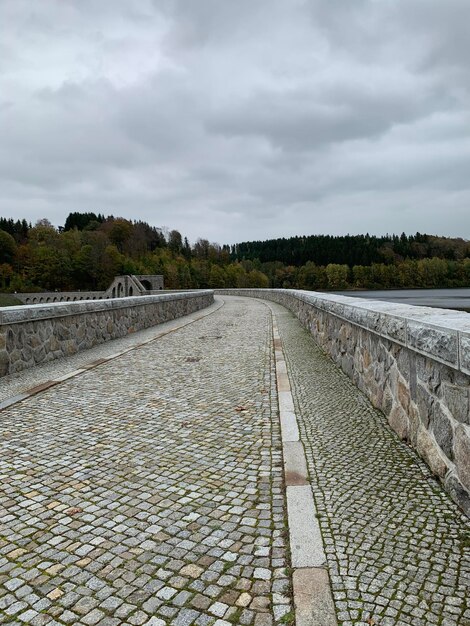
x=465 y=352
x=462 y=454
x=442 y=429
x=439 y=343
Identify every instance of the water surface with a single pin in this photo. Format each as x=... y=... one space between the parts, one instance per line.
x=441 y=298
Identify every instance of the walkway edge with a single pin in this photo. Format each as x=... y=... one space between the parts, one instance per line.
x=188 y=319
x=313 y=600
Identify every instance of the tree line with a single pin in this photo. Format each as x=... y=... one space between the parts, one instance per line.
x=352 y=250
x=91 y=248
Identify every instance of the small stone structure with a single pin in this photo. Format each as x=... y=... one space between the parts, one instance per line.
x=121 y=287
x=412 y=362
x=30 y=335
x=134 y=285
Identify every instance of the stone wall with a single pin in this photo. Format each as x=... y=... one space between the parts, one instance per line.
x=48 y=297
x=412 y=362
x=121 y=287
x=30 y=335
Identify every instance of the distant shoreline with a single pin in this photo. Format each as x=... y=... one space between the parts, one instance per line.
x=455 y=298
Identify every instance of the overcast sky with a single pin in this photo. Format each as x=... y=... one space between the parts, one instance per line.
x=235 y=120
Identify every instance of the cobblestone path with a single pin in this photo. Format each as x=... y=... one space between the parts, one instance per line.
x=398 y=550
x=149 y=489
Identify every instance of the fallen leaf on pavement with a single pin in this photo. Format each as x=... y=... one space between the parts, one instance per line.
x=74 y=510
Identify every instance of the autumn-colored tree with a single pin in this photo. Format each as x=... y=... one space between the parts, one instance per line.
x=217 y=277
x=337 y=276
x=120 y=232
x=91 y=252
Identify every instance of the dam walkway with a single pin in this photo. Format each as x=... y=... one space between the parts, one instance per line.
x=142 y=482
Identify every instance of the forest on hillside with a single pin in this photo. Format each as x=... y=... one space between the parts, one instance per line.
x=352 y=250
x=90 y=249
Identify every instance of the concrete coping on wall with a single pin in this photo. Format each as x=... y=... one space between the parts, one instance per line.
x=441 y=334
x=35 y=312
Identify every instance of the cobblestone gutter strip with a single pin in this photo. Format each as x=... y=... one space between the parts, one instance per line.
x=177 y=325
x=311 y=585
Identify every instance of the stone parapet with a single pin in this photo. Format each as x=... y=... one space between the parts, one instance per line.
x=30 y=335
x=413 y=363
x=49 y=297
x=122 y=286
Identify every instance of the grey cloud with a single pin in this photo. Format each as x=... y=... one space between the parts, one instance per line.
x=62 y=134
x=214 y=23
x=233 y=120
x=444 y=28
x=308 y=119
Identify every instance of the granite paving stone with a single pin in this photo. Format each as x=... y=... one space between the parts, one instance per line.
x=14 y=385
x=149 y=490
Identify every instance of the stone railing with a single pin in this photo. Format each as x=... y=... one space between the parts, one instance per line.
x=30 y=335
x=50 y=297
x=412 y=362
x=121 y=287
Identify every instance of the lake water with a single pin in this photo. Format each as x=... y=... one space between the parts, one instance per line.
x=441 y=298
